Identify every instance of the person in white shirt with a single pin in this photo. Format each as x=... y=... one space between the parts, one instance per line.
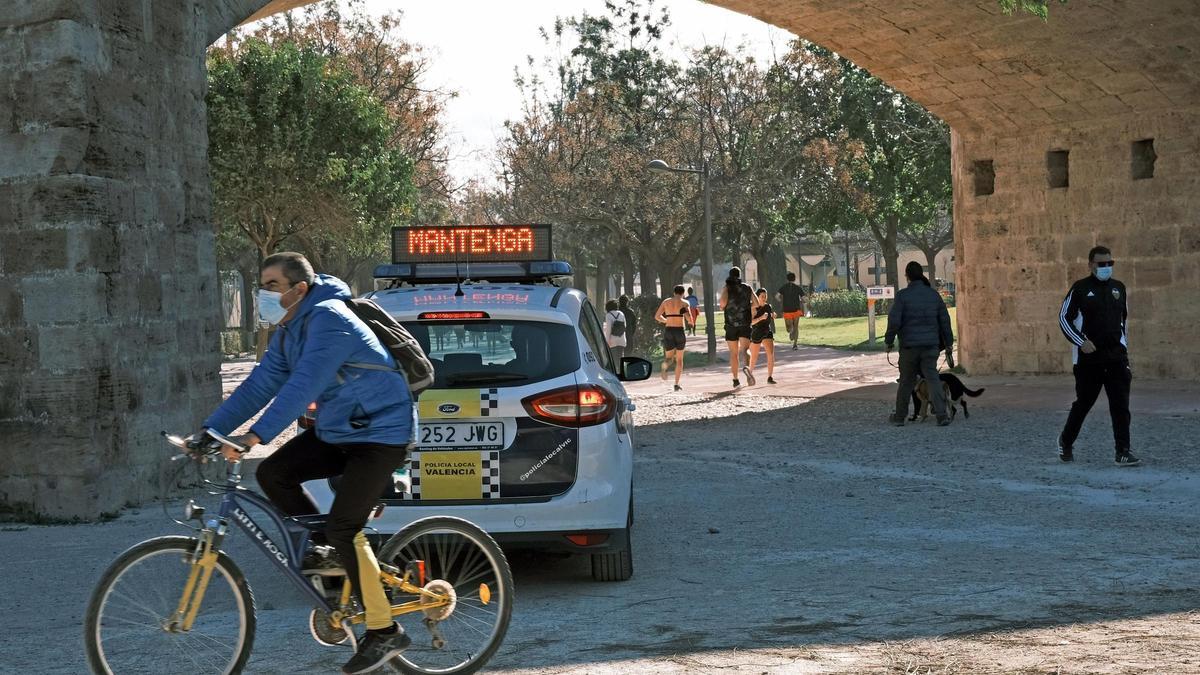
x=614 y=330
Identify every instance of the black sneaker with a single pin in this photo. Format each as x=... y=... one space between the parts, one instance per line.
x=749 y=375
x=896 y=421
x=771 y=380
x=1126 y=458
x=678 y=388
x=736 y=383
x=376 y=649
x=1064 y=451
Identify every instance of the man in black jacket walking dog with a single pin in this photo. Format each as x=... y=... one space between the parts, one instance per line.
x=920 y=318
x=1093 y=317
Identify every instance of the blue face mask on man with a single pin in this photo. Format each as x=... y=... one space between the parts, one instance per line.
x=270 y=307
x=1104 y=273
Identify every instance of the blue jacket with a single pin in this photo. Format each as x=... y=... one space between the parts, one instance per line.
x=305 y=362
x=920 y=317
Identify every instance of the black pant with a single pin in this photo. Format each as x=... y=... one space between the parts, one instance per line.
x=1115 y=377
x=366 y=471
x=921 y=360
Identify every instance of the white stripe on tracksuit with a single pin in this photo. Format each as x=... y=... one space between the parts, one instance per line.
x=1073 y=332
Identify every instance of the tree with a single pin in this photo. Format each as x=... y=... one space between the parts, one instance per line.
x=903 y=173
x=297 y=152
x=393 y=71
x=578 y=153
x=931 y=238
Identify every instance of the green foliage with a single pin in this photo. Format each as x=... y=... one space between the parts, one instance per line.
x=843 y=303
x=297 y=149
x=1039 y=8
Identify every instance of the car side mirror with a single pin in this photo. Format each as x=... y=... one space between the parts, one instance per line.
x=634 y=369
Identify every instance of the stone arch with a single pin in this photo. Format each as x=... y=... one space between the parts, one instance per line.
x=1096 y=79
x=107 y=280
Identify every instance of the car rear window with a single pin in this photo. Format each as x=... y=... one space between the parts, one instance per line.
x=496 y=353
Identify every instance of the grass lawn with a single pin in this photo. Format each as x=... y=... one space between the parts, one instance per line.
x=847 y=333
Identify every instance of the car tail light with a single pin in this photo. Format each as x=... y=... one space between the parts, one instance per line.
x=309 y=419
x=579 y=406
x=587 y=539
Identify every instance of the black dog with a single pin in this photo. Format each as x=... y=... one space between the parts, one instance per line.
x=952 y=387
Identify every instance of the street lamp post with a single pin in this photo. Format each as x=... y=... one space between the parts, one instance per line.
x=706 y=265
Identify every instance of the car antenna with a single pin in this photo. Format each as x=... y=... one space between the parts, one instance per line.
x=458 y=292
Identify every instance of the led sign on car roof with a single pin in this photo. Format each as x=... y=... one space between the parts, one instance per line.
x=471 y=244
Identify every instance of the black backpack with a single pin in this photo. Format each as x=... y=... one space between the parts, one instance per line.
x=410 y=358
x=737 y=306
x=618 y=325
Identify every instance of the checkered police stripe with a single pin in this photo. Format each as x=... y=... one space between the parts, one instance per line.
x=489 y=401
x=491 y=475
x=414 y=475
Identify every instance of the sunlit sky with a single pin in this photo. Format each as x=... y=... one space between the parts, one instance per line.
x=474 y=46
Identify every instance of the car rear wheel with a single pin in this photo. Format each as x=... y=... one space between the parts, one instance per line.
x=615 y=565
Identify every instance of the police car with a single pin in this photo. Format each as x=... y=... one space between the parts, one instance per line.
x=527 y=429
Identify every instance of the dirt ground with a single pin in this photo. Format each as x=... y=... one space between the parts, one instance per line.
x=789 y=530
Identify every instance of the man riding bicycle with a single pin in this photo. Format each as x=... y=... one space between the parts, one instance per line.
x=365 y=425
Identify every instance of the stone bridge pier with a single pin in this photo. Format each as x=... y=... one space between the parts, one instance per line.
x=1069 y=133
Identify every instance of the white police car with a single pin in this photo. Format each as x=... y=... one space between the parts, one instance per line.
x=526 y=430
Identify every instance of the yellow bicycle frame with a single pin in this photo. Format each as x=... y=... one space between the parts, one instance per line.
x=203 y=566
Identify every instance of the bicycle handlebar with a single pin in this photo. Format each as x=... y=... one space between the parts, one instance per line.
x=209 y=444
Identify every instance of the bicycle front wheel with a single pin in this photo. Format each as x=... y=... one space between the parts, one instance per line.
x=130 y=625
x=458 y=638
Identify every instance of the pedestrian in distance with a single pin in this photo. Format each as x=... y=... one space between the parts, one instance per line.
x=694 y=304
x=739 y=303
x=791 y=298
x=762 y=335
x=615 y=328
x=631 y=321
x=674 y=313
x=1094 y=318
x=323 y=351
x=920 y=319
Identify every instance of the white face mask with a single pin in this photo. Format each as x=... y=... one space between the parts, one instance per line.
x=270 y=309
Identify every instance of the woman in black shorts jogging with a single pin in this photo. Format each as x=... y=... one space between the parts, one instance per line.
x=762 y=334
x=674 y=313
x=739 y=302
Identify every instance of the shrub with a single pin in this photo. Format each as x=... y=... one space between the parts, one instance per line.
x=843 y=303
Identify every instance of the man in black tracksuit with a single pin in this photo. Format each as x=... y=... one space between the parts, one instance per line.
x=1093 y=318
x=920 y=318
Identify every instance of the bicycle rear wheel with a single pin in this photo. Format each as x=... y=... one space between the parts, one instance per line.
x=126 y=628
x=459 y=555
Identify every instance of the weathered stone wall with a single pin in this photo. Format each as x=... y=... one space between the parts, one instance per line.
x=1021 y=247
x=108 y=303
x=1098 y=76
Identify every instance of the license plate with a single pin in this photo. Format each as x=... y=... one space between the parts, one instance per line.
x=482 y=435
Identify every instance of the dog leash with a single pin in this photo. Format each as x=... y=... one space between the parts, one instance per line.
x=942 y=357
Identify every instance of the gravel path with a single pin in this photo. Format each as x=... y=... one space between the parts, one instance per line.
x=785 y=534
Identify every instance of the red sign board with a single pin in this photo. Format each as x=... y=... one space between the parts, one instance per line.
x=471 y=244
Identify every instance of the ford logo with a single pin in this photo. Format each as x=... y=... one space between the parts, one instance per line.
x=448 y=408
